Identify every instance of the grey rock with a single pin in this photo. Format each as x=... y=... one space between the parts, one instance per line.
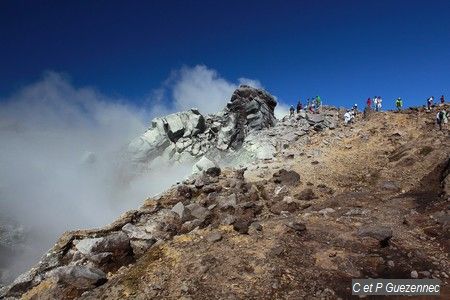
x=141 y=246
x=199 y=212
x=117 y=243
x=186 y=136
x=134 y=232
x=241 y=226
x=228 y=220
x=202 y=165
x=229 y=202
x=190 y=225
x=296 y=226
x=81 y=277
x=390 y=186
x=257 y=226
x=315 y=118
x=182 y=211
x=214 y=237
x=284 y=177
x=381 y=233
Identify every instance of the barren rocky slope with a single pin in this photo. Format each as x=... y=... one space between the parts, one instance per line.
x=332 y=203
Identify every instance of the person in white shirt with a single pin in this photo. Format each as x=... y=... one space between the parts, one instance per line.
x=348 y=117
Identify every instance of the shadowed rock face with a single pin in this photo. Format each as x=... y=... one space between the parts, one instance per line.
x=187 y=135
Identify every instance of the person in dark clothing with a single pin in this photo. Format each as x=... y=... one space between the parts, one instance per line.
x=442 y=100
x=291 y=111
x=299 y=106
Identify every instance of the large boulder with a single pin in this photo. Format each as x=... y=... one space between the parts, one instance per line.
x=81 y=277
x=117 y=243
x=188 y=135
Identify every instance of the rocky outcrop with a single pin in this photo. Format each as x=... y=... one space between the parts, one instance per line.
x=81 y=260
x=188 y=135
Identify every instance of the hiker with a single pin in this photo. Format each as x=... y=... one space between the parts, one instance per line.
x=291 y=111
x=442 y=118
x=311 y=107
x=442 y=100
x=318 y=103
x=379 y=101
x=430 y=102
x=348 y=117
x=399 y=104
x=355 y=109
x=299 y=106
x=369 y=102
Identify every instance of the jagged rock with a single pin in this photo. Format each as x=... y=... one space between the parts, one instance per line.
x=283 y=206
x=228 y=202
x=21 y=284
x=199 y=212
x=134 y=232
x=164 y=225
x=228 y=220
x=214 y=237
x=381 y=233
x=117 y=243
x=184 y=191
x=81 y=277
x=190 y=225
x=284 y=177
x=296 y=226
x=390 y=186
x=265 y=152
x=141 y=246
x=241 y=225
x=182 y=211
x=202 y=165
x=213 y=171
x=315 y=118
x=307 y=194
x=187 y=135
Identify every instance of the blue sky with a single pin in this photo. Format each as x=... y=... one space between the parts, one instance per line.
x=344 y=51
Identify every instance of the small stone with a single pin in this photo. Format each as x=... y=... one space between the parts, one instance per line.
x=241 y=226
x=228 y=220
x=213 y=171
x=214 y=237
x=299 y=227
x=326 y=211
x=414 y=274
x=257 y=226
x=390 y=263
x=381 y=233
x=424 y=274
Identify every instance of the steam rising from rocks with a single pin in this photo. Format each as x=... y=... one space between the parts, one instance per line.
x=62 y=163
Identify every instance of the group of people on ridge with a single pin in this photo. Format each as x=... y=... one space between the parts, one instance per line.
x=376 y=102
x=313 y=105
x=430 y=102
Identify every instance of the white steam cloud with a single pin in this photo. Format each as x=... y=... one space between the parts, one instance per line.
x=61 y=155
x=200 y=87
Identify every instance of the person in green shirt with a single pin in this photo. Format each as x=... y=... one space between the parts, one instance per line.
x=399 y=103
x=318 y=103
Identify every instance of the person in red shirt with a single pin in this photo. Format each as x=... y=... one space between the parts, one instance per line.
x=369 y=103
